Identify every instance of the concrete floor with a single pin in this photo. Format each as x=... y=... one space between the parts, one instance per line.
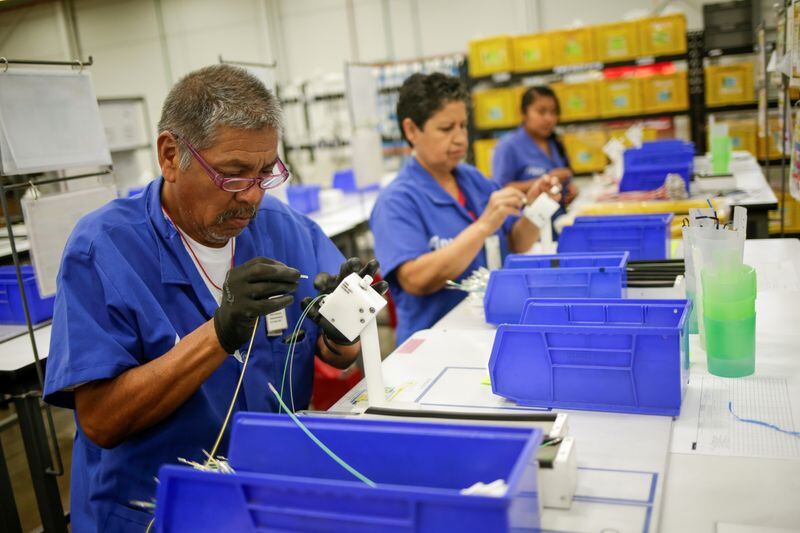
x=65 y=428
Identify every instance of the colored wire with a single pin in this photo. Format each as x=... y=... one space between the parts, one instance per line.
x=331 y=454
x=761 y=423
x=293 y=343
x=235 y=396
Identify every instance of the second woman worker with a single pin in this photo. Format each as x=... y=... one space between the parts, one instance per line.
x=432 y=221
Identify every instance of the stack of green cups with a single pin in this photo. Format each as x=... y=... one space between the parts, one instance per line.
x=729 y=316
x=721 y=148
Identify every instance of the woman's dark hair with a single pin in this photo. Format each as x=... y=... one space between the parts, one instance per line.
x=532 y=93
x=529 y=97
x=422 y=95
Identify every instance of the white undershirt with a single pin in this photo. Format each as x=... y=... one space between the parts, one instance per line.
x=215 y=261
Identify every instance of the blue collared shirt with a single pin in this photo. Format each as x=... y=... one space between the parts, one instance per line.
x=518 y=158
x=414 y=215
x=127 y=291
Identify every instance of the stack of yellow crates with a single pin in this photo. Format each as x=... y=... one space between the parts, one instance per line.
x=608 y=43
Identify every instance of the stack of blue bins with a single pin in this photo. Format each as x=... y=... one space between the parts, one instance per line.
x=11 y=308
x=285 y=482
x=303 y=198
x=584 y=275
x=646 y=168
x=644 y=237
x=627 y=356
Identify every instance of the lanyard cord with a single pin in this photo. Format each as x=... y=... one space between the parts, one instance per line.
x=199 y=264
x=196 y=259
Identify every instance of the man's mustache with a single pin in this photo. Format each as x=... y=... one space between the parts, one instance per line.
x=245 y=211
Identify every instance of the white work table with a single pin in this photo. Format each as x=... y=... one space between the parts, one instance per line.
x=353 y=210
x=752 y=191
x=639 y=472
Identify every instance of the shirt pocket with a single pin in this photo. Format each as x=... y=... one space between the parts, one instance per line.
x=124 y=519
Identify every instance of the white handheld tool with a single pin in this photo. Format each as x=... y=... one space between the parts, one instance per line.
x=352 y=308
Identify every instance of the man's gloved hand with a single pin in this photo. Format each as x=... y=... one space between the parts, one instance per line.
x=259 y=287
x=326 y=283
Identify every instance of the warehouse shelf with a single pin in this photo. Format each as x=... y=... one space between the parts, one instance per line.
x=510 y=78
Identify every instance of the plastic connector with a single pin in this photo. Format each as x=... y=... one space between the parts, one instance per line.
x=352 y=306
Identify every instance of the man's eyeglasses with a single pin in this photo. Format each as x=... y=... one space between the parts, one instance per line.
x=276 y=177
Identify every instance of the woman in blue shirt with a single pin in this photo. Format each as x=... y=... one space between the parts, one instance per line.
x=432 y=221
x=532 y=150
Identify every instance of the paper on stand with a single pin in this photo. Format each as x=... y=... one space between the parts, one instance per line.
x=49 y=120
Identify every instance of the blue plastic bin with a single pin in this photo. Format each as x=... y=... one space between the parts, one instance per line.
x=645 y=237
x=11 y=310
x=627 y=356
x=647 y=167
x=284 y=482
x=303 y=198
x=551 y=276
x=345 y=180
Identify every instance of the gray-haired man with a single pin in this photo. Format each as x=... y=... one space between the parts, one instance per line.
x=158 y=297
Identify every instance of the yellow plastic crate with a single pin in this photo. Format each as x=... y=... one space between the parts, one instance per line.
x=664 y=92
x=679 y=207
x=572 y=47
x=484 y=151
x=620 y=97
x=791 y=220
x=490 y=56
x=743 y=134
x=773 y=141
x=496 y=108
x=532 y=52
x=585 y=150
x=648 y=134
x=730 y=84
x=578 y=101
x=660 y=36
x=616 y=42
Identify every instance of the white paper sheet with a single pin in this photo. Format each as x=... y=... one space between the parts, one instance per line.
x=124 y=124
x=707 y=427
x=50 y=220
x=777 y=276
x=49 y=120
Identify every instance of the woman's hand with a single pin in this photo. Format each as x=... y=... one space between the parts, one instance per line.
x=563 y=173
x=545 y=185
x=502 y=204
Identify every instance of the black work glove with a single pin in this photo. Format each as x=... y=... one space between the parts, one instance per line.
x=326 y=283
x=259 y=287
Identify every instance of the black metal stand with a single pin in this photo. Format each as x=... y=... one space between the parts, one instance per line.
x=9 y=519
x=40 y=463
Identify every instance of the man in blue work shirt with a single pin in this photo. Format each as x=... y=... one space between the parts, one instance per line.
x=158 y=296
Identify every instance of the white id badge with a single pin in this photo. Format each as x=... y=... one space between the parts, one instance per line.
x=493 y=256
x=276 y=323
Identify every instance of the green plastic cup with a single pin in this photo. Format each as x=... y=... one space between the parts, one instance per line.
x=729 y=318
x=721 y=148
